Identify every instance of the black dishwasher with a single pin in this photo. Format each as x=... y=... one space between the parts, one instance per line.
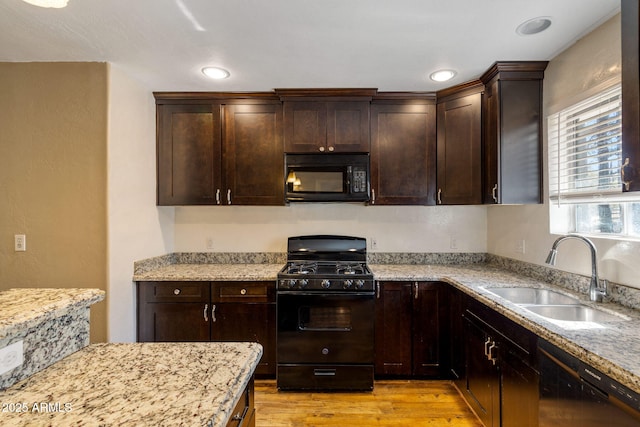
x=573 y=393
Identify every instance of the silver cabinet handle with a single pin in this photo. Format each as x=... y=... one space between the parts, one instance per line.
x=217 y=196
x=213 y=314
x=490 y=355
x=321 y=148
x=439 y=196
x=229 y=196
x=204 y=313
x=330 y=148
x=494 y=193
x=243 y=291
x=486 y=347
x=378 y=290
x=415 y=287
x=373 y=196
x=176 y=291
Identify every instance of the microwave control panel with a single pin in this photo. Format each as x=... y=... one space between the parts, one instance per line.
x=359 y=180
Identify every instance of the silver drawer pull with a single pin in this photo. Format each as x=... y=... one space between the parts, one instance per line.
x=176 y=291
x=204 y=313
x=324 y=372
x=243 y=291
x=213 y=313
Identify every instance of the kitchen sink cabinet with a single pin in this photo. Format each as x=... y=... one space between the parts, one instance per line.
x=501 y=381
x=210 y=311
x=459 y=146
x=512 y=119
x=403 y=152
x=219 y=151
x=410 y=329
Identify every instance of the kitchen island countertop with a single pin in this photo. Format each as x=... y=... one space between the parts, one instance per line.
x=154 y=384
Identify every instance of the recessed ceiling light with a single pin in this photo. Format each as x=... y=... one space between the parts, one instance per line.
x=442 y=75
x=48 y=3
x=534 y=26
x=215 y=72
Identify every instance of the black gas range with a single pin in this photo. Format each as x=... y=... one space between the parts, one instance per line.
x=325 y=308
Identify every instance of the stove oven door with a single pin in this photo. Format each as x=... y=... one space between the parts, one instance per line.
x=325 y=341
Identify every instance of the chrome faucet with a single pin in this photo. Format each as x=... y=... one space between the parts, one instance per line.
x=596 y=292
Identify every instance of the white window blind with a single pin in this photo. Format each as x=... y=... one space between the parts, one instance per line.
x=585 y=147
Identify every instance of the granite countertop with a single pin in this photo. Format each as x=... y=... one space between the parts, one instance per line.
x=154 y=384
x=211 y=272
x=23 y=308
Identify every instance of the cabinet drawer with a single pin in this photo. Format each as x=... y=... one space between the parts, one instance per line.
x=174 y=291
x=243 y=413
x=244 y=292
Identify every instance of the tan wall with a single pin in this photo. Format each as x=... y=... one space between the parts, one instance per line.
x=53 y=181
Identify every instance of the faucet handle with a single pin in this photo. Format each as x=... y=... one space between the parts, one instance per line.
x=604 y=289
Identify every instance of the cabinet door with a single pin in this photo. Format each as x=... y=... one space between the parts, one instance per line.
x=173 y=311
x=305 y=126
x=348 y=127
x=456 y=334
x=403 y=149
x=482 y=390
x=255 y=322
x=512 y=117
x=630 y=22
x=430 y=323
x=519 y=390
x=254 y=156
x=393 y=328
x=459 y=151
x=188 y=154
x=174 y=322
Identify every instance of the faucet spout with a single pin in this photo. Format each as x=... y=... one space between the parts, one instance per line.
x=597 y=289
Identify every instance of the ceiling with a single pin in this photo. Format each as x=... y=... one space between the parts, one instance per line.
x=267 y=44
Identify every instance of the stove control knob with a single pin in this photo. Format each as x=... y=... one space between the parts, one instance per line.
x=292 y=282
x=325 y=284
x=303 y=283
x=347 y=284
x=359 y=283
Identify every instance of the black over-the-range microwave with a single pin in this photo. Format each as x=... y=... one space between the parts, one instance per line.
x=327 y=177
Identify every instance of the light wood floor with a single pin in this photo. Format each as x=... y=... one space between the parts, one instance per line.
x=392 y=403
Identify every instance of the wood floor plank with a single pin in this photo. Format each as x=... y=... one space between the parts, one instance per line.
x=391 y=403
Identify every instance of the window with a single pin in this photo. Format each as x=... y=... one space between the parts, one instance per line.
x=585 y=153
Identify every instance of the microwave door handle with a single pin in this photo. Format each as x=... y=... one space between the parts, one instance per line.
x=349 y=179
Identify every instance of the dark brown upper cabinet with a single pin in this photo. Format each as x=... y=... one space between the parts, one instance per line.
x=215 y=151
x=512 y=119
x=459 y=150
x=630 y=16
x=326 y=121
x=403 y=150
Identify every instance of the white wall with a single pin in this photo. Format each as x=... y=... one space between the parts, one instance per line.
x=137 y=229
x=395 y=229
x=589 y=63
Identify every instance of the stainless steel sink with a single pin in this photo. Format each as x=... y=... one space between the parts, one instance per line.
x=573 y=313
x=533 y=296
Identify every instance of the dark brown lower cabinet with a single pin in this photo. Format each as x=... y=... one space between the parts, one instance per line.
x=244 y=413
x=210 y=311
x=411 y=322
x=501 y=381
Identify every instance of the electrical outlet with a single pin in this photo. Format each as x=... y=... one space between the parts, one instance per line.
x=373 y=243
x=520 y=246
x=20 y=242
x=453 y=242
x=11 y=357
x=210 y=243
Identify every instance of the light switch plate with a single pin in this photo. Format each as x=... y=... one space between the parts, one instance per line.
x=11 y=357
